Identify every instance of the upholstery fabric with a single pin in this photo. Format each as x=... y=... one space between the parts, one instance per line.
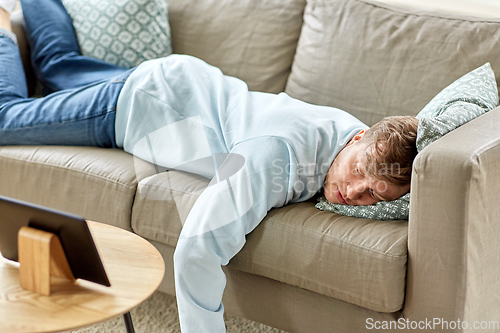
x=121 y=32
x=359 y=261
x=100 y=182
x=454 y=225
x=254 y=40
x=376 y=60
x=280 y=304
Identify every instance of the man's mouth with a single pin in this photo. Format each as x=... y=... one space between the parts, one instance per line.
x=340 y=198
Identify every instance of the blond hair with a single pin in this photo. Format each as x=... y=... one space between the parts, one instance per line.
x=391 y=149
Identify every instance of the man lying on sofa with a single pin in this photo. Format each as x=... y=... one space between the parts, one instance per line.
x=267 y=150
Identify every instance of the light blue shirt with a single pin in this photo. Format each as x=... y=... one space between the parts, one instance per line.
x=260 y=150
x=178 y=110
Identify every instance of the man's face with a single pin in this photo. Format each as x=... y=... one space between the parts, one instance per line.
x=347 y=182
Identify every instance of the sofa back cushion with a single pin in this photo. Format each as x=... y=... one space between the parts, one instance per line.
x=254 y=40
x=375 y=60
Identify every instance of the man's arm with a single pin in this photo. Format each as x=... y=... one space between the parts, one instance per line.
x=246 y=186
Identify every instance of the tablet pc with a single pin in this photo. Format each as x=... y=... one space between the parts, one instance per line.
x=72 y=231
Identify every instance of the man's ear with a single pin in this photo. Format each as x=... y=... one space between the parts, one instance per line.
x=358 y=136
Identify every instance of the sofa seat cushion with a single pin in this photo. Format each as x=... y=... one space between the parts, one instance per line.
x=359 y=261
x=100 y=183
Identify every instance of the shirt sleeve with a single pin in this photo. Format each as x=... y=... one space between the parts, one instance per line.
x=255 y=177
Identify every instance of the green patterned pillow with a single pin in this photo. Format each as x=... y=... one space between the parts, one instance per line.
x=384 y=210
x=465 y=99
x=121 y=32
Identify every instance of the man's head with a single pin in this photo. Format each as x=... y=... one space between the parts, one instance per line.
x=375 y=165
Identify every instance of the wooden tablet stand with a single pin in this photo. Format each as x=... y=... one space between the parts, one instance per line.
x=41 y=256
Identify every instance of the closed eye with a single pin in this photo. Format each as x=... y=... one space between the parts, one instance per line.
x=374 y=195
x=358 y=171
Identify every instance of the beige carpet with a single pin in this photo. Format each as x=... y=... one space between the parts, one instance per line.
x=158 y=314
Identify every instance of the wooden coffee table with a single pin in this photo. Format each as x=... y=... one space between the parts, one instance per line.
x=134 y=267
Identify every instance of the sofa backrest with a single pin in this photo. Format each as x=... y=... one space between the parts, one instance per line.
x=368 y=58
x=254 y=40
x=375 y=60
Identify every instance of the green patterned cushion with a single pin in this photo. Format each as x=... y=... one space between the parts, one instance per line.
x=465 y=99
x=384 y=210
x=431 y=129
x=121 y=32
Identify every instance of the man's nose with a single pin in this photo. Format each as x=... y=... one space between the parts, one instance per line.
x=355 y=190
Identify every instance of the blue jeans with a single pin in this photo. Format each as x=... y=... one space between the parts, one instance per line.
x=80 y=108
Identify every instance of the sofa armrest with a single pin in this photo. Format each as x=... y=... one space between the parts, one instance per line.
x=454 y=226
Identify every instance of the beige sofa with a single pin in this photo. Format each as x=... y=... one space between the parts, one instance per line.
x=303 y=270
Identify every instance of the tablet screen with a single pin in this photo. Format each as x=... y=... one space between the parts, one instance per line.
x=72 y=231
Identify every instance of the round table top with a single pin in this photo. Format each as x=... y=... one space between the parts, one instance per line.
x=134 y=267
